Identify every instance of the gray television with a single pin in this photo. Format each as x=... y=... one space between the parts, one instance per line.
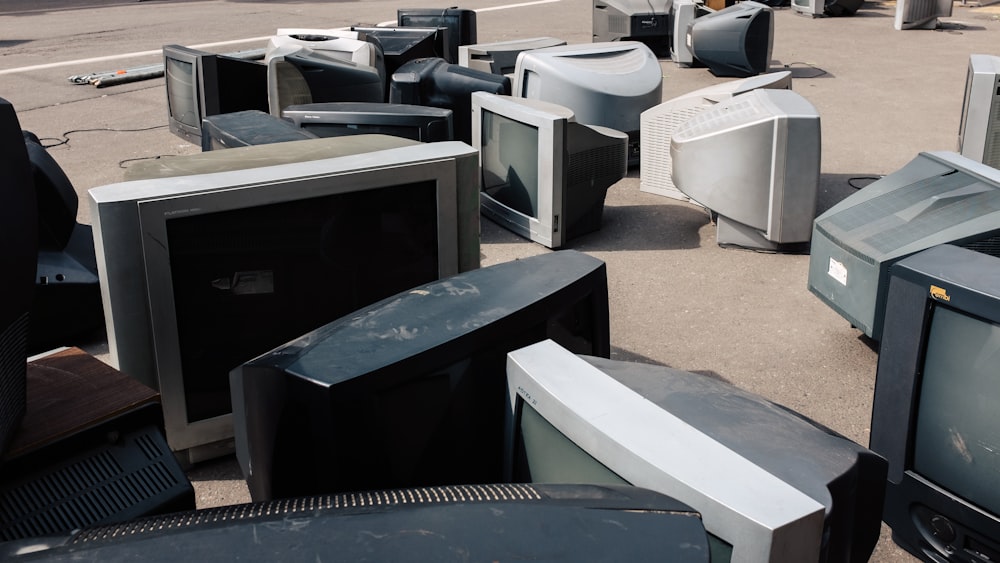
x=501 y=57
x=754 y=161
x=920 y=14
x=937 y=198
x=607 y=84
x=979 y=129
x=647 y=21
x=734 y=41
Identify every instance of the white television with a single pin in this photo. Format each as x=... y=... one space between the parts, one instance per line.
x=920 y=14
x=544 y=175
x=337 y=43
x=771 y=485
x=683 y=13
x=754 y=161
x=657 y=125
x=811 y=8
x=203 y=272
x=979 y=129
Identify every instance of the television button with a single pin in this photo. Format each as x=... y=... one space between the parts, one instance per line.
x=941 y=528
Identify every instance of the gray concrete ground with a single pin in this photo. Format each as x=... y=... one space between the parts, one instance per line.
x=677 y=298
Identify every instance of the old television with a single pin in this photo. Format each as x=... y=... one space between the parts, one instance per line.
x=437 y=83
x=816 y=8
x=754 y=161
x=633 y=20
x=247 y=128
x=937 y=198
x=734 y=41
x=460 y=25
x=401 y=45
x=606 y=84
x=920 y=14
x=180 y=72
x=683 y=12
x=659 y=123
x=544 y=175
x=354 y=49
x=934 y=416
x=979 y=129
x=335 y=119
x=298 y=75
x=494 y=522
x=203 y=271
x=409 y=391
x=812 y=8
x=501 y=57
x=770 y=484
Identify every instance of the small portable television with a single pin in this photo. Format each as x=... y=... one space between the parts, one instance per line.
x=934 y=415
x=633 y=20
x=979 y=128
x=544 y=175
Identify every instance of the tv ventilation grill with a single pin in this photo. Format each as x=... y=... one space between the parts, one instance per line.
x=207 y=516
x=618 y=23
x=657 y=130
x=739 y=111
x=103 y=485
x=596 y=163
x=13 y=378
x=991 y=153
x=988 y=245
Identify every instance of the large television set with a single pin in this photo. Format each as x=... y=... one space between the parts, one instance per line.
x=920 y=14
x=501 y=57
x=437 y=83
x=735 y=41
x=606 y=84
x=335 y=119
x=936 y=198
x=409 y=391
x=544 y=175
x=298 y=75
x=770 y=484
x=633 y=20
x=460 y=25
x=979 y=128
x=934 y=415
x=658 y=124
x=495 y=522
x=219 y=257
x=754 y=161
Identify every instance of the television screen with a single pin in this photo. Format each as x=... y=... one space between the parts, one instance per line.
x=436 y=83
x=460 y=25
x=659 y=123
x=771 y=484
x=753 y=159
x=335 y=119
x=607 y=84
x=979 y=129
x=634 y=20
x=298 y=75
x=204 y=272
x=920 y=14
x=544 y=176
x=937 y=198
x=501 y=57
x=734 y=41
x=936 y=399
x=409 y=391
x=502 y=522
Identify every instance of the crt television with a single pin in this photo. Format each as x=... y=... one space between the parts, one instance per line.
x=460 y=25
x=754 y=160
x=203 y=272
x=348 y=48
x=409 y=391
x=501 y=57
x=247 y=128
x=979 y=129
x=495 y=522
x=180 y=72
x=920 y=14
x=335 y=119
x=299 y=75
x=658 y=124
x=734 y=41
x=937 y=198
x=634 y=20
x=934 y=415
x=770 y=484
x=606 y=84
x=544 y=176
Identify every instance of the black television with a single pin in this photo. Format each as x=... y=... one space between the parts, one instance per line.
x=496 y=522
x=934 y=415
x=336 y=119
x=247 y=128
x=403 y=44
x=734 y=41
x=231 y=84
x=409 y=391
x=299 y=75
x=646 y=21
x=437 y=83
x=460 y=23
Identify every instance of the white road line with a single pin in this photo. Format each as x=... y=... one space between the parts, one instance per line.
x=221 y=43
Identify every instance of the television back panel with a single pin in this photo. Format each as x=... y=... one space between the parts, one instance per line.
x=633 y=20
x=920 y=14
x=937 y=198
x=734 y=41
x=979 y=130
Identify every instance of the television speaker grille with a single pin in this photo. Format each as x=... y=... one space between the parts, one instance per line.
x=596 y=163
x=13 y=378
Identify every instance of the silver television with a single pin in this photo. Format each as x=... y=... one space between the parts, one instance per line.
x=979 y=129
x=936 y=198
x=202 y=272
x=647 y=21
x=920 y=14
x=754 y=161
x=657 y=125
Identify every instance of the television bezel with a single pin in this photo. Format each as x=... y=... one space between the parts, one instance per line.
x=134 y=263
x=960 y=280
x=979 y=127
x=187 y=55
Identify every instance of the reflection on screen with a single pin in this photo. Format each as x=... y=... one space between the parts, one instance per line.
x=510 y=163
x=180 y=78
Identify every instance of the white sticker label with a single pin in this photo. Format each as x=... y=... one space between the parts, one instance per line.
x=837 y=271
